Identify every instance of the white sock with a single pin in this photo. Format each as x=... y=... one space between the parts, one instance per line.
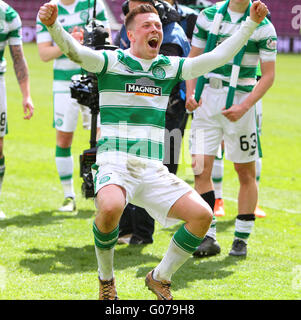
x=68 y=188
x=212 y=229
x=174 y=258
x=1 y=181
x=2 y=171
x=105 y=260
x=217 y=177
x=243 y=229
x=258 y=170
x=65 y=170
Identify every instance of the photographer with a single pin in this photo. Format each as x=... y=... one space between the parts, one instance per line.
x=73 y=15
x=136 y=226
x=188 y=17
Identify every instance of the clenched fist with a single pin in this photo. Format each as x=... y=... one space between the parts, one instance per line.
x=258 y=11
x=48 y=13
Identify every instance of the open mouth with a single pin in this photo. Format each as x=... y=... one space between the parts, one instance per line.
x=153 y=43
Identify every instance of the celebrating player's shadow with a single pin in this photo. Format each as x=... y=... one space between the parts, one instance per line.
x=63 y=259
x=68 y=260
x=198 y=269
x=43 y=218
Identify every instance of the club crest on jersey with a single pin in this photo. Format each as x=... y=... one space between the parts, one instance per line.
x=143 y=87
x=272 y=43
x=159 y=73
x=84 y=15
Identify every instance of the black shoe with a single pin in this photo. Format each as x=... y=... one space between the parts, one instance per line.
x=137 y=240
x=239 y=248
x=209 y=247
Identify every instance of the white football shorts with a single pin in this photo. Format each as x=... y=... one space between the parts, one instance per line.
x=66 y=110
x=210 y=126
x=148 y=184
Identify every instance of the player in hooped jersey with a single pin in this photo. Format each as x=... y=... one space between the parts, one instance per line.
x=235 y=124
x=10 y=33
x=73 y=15
x=129 y=157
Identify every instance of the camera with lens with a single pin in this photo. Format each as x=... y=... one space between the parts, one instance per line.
x=84 y=88
x=166 y=11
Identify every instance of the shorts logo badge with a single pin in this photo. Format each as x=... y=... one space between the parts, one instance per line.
x=59 y=122
x=104 y=179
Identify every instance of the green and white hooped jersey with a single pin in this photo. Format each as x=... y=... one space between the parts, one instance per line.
x=134 y=94
x=261 y=45
x=10 y=31
x=70 y=16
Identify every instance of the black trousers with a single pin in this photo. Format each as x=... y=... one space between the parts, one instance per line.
x=135 y=219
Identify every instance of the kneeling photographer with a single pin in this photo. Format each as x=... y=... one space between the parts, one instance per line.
x=136 y=226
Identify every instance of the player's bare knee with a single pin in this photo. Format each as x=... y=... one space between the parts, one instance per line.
x=110 y=209
x=203 y=216
x=197 y=165
x=246 y=177
x=108 y=217
x=246 y=172
x=202 y=177
x=207 y=215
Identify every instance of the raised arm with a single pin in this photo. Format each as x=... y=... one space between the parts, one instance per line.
x=87 y=58
x=197 y=66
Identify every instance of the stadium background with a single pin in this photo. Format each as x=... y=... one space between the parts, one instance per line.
x=284 y=15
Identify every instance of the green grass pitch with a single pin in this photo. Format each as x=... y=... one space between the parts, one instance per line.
x=46 y=254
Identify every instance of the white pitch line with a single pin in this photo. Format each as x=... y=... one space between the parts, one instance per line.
x=268 y=206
